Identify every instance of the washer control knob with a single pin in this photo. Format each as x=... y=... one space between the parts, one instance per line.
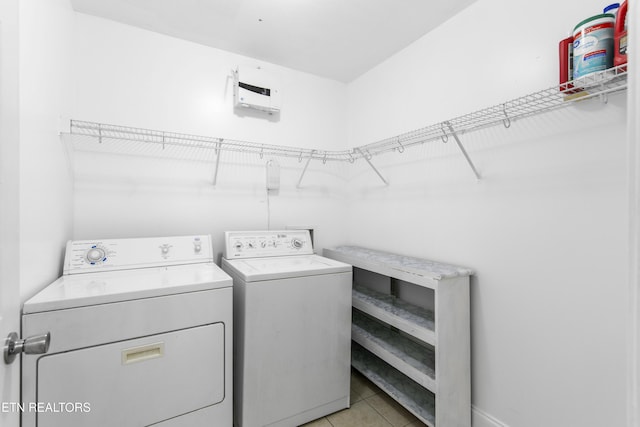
x=238 y=246
x=297 y=243
x=95 y=254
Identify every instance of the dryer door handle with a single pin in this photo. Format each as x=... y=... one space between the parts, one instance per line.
x=38 y=344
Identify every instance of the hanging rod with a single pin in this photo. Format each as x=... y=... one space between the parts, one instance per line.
x=593 y=85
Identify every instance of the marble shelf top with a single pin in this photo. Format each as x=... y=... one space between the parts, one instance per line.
x=423 y=267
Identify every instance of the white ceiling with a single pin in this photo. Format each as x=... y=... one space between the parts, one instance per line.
x=338 y=39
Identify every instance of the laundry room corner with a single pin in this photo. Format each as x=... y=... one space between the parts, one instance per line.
x=320 y=172
x=180 y=86
x=544 y=225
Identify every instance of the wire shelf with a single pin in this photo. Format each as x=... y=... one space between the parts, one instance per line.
x=107 y=132
x=594 y=85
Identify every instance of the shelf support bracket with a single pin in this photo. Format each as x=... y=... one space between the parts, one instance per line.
x=218 y=154
x=464 y=152
x=304 y=170
x=603 y=96
x=367 y=157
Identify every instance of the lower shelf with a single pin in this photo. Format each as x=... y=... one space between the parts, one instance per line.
x=416 y=399
x=412 y=359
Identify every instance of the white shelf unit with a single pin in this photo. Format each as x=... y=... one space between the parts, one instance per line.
x=411 y=331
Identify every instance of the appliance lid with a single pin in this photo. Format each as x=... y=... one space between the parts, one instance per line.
x=271 y=268
x=81 y=290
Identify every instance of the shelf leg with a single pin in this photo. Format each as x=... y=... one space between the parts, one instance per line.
x=306 y=165
x=364 y=156
x=215 y=171
x=464 y=152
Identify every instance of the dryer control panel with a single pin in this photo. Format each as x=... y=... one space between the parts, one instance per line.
x=85 y=256
x=259 y=244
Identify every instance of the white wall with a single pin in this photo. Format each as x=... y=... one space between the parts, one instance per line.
x=545 y=229
x=46 y=31
x=127 y=76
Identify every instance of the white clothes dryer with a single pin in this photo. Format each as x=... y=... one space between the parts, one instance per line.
x=141 y=334
x=292 y=320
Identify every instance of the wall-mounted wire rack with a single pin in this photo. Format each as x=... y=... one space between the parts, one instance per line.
x=598 y=84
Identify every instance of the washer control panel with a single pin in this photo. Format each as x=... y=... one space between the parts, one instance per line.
x=84 y=256
x=258 y=244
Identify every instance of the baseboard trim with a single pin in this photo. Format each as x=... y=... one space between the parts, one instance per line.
x=480 y=418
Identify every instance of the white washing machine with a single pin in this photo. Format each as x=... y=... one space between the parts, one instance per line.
x=141 y=334
x=292 y=320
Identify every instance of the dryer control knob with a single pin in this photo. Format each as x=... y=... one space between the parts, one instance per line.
x=95 y=254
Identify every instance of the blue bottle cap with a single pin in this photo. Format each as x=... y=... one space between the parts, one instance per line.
x=611 y=7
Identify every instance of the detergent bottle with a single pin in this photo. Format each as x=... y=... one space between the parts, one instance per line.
x=566 y=62
x=593 y=45
x=620 y=36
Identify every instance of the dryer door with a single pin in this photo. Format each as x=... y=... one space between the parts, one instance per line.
x=132 y=383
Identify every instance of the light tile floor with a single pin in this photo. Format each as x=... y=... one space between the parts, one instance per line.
x=370 y=407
